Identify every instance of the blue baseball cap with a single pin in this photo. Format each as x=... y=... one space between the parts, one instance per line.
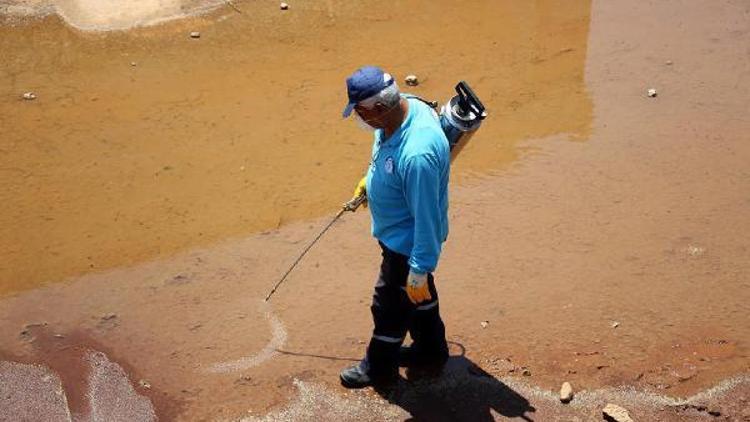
x=363 y=84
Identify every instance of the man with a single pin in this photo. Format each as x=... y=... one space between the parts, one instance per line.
x=407 y=190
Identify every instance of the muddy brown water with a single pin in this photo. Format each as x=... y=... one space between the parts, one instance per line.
x=551 y=243
x=240 y=130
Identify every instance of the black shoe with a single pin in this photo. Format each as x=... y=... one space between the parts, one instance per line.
x=357 y=376
x=409 y=357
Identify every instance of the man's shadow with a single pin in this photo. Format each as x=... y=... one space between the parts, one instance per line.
x=462 y=391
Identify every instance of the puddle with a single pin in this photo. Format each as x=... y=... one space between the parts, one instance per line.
x=142 y=143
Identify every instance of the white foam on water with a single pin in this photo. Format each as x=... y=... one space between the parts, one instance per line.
x=631 y=395
x=109 y=15
x=278 y=338
x=315 y=401
x=34 y=392
x=111 y=395
x=31 y=392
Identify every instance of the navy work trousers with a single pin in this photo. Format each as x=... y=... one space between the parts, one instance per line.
x=394 y=314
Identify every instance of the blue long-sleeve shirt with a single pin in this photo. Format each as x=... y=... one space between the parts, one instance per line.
x=407 y=188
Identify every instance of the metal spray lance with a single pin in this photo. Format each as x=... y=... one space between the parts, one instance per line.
x=349 y=206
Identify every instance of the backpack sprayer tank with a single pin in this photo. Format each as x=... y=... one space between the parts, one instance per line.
x=461 y=117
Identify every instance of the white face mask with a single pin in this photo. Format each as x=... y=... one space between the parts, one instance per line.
x=362 y=123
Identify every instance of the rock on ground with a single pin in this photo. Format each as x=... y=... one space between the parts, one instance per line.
x=615 y=413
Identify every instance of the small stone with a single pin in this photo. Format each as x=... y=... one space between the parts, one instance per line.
x=109 y=316
x=134 y=64
x=566 y=392
x=651 y=93
x=284 y=6
x=59 y=336
x=669 y=62
x=195 y=34
x=615 y=324
x=411 y=80
x=144 y=384
x=615 y=413
x=693 y=250
x=28 y=96
x=484 y=324
x=526 y=372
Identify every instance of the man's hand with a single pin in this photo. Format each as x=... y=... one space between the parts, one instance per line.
x=417 y=288
x=361 y=190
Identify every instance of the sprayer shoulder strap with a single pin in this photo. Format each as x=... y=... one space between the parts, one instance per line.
x=432 y=104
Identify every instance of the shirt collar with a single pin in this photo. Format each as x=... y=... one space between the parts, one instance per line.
x=395 y=137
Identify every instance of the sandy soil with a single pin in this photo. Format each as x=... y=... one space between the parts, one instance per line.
x=641 y=225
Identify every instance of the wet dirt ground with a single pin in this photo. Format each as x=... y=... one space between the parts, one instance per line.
x=597 y=232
